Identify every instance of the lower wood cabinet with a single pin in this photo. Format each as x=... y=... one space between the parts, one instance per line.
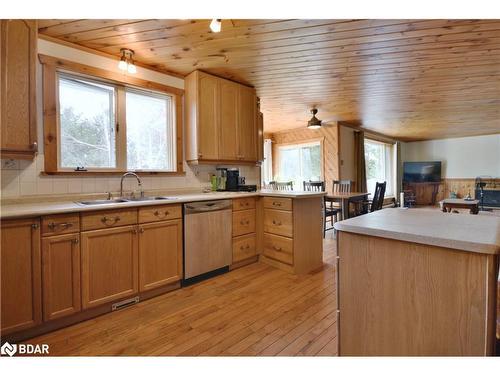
x=21 y=298
x=61 y=276
x=109 y=265
x=160 y=254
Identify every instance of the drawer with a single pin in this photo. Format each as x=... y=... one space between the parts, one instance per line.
x=243 y=222
x=159 y=213
x=243 y=204
x=278 y=222
x=108 y=219
x=243 y=247
x=60 y=224
x=278 y=248
x=278 y=203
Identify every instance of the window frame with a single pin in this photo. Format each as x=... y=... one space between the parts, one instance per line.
x=299 y=143
x=53 y=67
x=391 y=153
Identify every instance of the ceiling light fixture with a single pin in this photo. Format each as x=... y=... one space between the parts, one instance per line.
x=314 y=122
x=126 y=61
x=216 y=25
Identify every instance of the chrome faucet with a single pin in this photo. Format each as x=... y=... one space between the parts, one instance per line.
x=139 y=182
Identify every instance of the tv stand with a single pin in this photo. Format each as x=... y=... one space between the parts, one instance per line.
x=425 y=192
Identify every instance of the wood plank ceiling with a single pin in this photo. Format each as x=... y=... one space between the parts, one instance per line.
x=410 y=79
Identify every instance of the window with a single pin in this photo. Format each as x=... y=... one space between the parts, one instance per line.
x=106 y=126
x=300 y=162
x=379 y=159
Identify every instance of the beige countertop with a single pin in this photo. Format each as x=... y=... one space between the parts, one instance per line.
x=33 y=209
x=476 y=233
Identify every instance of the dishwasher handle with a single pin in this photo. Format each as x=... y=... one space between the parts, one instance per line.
x=209 y=206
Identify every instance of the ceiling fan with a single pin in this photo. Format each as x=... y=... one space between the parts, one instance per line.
x=316 y=123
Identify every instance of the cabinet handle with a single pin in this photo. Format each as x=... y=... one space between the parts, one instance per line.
x=159 y=214
x=34 y=226
x=141 y=230
x=62 y=225
x=200 y=154
x=247 y=247
x=134 y=231
x=75 y=241
x=277 y=204
x=112 y=220
x=34 y=146
x=277 y=248
x=276 y=222
x=245 y=222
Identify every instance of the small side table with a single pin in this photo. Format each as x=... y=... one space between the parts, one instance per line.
x=450 y=203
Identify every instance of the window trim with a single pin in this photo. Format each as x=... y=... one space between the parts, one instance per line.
x=52 y=66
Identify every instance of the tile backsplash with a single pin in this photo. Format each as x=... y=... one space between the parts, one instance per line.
x=21 y=178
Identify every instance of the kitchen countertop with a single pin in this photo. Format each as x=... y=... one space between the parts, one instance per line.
x=474 y=233
x=24 y=210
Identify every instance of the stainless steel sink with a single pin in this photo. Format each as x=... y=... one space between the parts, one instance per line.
x=123 y=200
x=102 y=201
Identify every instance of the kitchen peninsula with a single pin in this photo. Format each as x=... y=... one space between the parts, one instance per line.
x=418 y=282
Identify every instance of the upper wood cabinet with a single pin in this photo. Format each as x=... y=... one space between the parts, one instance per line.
x=18 y=47
x=21 y=298
x=221 y=120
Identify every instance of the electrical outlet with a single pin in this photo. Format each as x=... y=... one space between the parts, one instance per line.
x=10 y=164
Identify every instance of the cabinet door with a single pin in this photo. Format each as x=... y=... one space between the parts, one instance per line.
x=109 y=265
x=21 y=305
x=61 y=276
x=160 y=254
x=228 y=146
x=18 y=87
x=247 y=130
x=208 y=117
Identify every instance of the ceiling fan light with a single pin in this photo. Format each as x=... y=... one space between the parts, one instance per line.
x=313 y=126
x=314 y=122
x=216 y=25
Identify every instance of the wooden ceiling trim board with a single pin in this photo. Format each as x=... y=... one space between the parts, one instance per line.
x=80 y=26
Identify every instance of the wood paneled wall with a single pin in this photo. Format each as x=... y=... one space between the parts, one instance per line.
x=330 y=148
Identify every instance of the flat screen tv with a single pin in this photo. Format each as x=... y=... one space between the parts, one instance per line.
x=422 y=171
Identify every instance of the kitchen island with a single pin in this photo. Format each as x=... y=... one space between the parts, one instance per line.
x=417 y=282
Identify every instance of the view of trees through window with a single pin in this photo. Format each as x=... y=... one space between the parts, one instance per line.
x=378 y=161
x=298 y=163
x=86 y=124
x=87 y=119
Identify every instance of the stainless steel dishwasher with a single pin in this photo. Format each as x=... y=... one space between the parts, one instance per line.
x=207 y=239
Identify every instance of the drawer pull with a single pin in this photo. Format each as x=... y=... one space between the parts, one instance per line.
x=110 y=220
x=277 y=248
x=245 y=222
x=62 y=225
x=141 y=230
x=277 y=204
x=245 y=247
x=276 y=222
x=159 y=214
x=74 y=241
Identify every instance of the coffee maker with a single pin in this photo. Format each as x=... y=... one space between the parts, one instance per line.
x=232 y=179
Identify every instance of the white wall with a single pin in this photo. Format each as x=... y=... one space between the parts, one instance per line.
x=466 y=157
x=21 y=178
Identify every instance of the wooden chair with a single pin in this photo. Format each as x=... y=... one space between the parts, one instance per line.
x=283 y=186
x=342 y=186
x=329 y=211
x=378 y=198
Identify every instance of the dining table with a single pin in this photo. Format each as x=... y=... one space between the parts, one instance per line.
x=345 y=199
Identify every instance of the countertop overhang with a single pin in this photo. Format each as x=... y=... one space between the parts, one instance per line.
x=473 y=233
x=26 y=210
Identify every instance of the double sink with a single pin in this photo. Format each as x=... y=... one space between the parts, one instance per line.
x=123 y=200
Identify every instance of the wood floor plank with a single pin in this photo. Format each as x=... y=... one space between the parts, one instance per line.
x=251 y=309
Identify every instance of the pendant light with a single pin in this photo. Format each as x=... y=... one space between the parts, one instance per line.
x=126 y=61
x=216 y=25
x=314 y=122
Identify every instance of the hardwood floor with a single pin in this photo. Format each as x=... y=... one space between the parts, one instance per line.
x=255 y=310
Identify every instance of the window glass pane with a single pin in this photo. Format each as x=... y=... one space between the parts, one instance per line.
x=379 y=165
x=298 y=163
x=86 y=118
x=150 y=135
